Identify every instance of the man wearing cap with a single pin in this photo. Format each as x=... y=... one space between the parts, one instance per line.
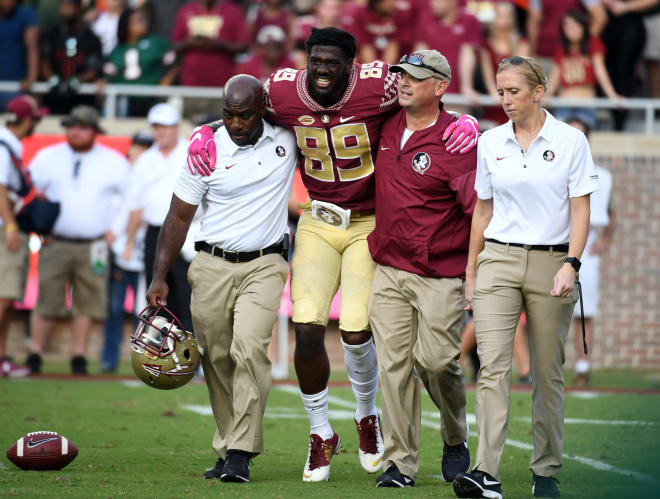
x=23 y=117
x=88 y=180
x=424 y=203
x=154 y=178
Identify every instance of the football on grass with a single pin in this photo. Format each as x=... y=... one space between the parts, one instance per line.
x=42 y=450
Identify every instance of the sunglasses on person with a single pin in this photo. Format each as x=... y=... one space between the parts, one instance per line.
x=418 y=61
x=516 y=60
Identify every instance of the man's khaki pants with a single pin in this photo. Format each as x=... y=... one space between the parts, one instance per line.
x=234 y=307
x=416 y=323
x=508 y=279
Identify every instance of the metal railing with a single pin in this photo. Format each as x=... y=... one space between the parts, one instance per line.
x=176 y=94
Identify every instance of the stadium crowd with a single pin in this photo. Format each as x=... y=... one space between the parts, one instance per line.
x=597 y=47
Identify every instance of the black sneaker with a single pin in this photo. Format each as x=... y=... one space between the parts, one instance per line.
x=237 y=467
x=394 y=478
x=33 y=361
x=544 y=486
x=477 y=484
x=216 y=471
x=79 y=366
x=455 y=460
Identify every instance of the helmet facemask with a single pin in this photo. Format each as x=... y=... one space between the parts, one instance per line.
x=163 y=354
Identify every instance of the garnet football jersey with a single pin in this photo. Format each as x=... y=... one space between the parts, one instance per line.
x=338 y=144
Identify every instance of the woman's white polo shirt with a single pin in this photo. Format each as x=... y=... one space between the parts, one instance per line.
x=531 y=191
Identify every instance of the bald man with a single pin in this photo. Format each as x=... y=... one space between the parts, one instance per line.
x=238 y=274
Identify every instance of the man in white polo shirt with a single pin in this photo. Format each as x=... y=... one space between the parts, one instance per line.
x=88 y=180
x=152 y=184
x=238 y=274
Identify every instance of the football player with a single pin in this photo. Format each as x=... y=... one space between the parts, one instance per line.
x=335 y=108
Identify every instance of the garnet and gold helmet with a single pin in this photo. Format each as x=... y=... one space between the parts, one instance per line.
x=163 y=354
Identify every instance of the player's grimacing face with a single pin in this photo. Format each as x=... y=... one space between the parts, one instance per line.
x=327 y=69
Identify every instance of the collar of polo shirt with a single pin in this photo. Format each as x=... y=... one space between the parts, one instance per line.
x=547 y=130
x=231 y=147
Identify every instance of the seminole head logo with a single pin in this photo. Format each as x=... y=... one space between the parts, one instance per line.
x=421 y=162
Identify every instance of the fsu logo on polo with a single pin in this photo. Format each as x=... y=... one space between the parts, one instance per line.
x=280 y=151
x=421 y=162
x=548 y=155
x=306 y=119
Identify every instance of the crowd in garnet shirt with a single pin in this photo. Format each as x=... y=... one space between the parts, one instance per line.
x=205 y=42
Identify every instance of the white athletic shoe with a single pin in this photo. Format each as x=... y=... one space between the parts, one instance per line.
x=371 y=443
x=317 y=467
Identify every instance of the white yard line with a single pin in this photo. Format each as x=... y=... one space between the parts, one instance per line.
x=615 y=422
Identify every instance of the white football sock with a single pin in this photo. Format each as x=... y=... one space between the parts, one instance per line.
x=362 y=369
x=582 y=366
x=316 y=406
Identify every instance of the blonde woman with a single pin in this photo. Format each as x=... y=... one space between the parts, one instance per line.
x=529 y=228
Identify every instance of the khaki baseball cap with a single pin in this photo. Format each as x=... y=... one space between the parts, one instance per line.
x=424 y=64
x=83 y=116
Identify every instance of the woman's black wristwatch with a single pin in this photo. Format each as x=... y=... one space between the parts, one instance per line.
x=574 y=261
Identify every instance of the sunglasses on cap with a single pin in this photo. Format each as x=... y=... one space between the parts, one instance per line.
x=516 y=60
x=418 y=61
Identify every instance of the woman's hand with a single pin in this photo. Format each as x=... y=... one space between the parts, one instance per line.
x=564 y=281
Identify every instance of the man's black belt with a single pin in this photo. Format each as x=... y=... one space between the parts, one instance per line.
x=240 y=256
x=563 y=248
x=79 y=240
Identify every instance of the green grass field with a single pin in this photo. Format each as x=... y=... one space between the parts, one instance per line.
x=138 y=442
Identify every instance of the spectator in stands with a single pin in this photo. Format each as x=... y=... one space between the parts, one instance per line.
x=105 y=25
x=208 y=34
x=47 y=12
x=140 y=58
x=502 y=41
x=269 y=13
x=19 y=47
x=24 y=115
x=269 y=55
x=652 y=49
x=544 y=22
x=163 y=15
x=380 y=29
x=458 y=34
x=70 y=55
x=624 y=38
x=88 y=180
x=327 y=14
x=579 y=64
x=155 y=175
x=601 y=228
x=123 y=273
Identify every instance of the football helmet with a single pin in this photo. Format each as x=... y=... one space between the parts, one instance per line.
x=163 y=354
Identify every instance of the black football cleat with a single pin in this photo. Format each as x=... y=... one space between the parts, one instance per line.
x=237 y=467
x=79 y=366
x=455 y=460
x=216 y=471
x=477 y=484
x=544 y=486
x=33 y=361
x=394 y=478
